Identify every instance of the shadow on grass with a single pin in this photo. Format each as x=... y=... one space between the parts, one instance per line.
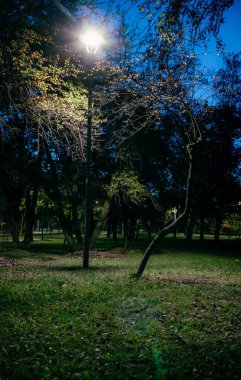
x=49 y=247
x=75 y=268
x=224 y=248
x=218 y=359
x=22 y=249
x=174 y=245
x=228 y=248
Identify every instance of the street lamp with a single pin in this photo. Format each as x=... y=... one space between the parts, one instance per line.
x=92 y=41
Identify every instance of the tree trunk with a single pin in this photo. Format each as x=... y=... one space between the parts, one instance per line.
x=15 y=221
x=202 y=228
x=75 y=217
x=148 y=227
x=174 y=233
x=217 y=229
x=31 y=201
x=55 y=196
x=108 y=227
x=132 y=228
x=125 y=228
x=137 y=230
x=175 y=229
x=15 y=231
x=67 y=230
x=114 y=227
x=190 y=227
x=164 y=231
x=77 y=229
x=99 y=225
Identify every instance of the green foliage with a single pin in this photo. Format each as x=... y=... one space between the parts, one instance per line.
x=126 y=185
x=43 y=107
x=232 y=225
x=45 y=211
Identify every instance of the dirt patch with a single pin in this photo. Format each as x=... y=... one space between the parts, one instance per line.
x=8 y=263
x=95 y=255
x=120 y=250
x=185 y=279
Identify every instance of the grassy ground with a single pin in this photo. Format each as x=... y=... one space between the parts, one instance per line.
x=180 y=321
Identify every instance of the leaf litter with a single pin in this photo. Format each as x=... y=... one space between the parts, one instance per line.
x=8 y=263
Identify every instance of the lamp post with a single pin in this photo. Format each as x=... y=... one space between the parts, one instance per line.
x=92 y=41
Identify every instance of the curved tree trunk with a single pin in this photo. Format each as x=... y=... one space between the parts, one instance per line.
x=68 y=234
x=164 y=231
x=66 y=226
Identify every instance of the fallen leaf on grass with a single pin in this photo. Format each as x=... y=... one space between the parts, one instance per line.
x=8 y=263
x=94 y=255
x=185 y=279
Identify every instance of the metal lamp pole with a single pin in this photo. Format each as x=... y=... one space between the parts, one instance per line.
x=92 y=41
x=87 y=180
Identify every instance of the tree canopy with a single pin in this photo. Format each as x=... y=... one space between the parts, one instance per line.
x=153 y=123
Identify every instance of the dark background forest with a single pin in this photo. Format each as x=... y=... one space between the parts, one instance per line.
x=157 y=183
x=153 y=101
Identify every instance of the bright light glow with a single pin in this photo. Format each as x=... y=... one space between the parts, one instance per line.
x=92 y=41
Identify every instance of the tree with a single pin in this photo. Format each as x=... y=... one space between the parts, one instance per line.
x=223 y=161
x=39 y=99
x=152 y=85
x=227 y=82
x=170 y=68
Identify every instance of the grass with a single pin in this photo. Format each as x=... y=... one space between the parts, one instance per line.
x=180 y=321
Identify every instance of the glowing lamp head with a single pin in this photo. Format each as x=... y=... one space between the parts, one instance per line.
x=92 y=41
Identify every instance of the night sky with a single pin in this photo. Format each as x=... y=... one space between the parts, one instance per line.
x=231 y=35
